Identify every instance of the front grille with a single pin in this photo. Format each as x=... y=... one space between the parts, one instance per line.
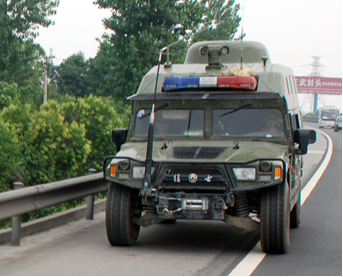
x=197 y=152
x=190 y=179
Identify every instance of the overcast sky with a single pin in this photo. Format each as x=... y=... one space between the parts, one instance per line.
x=292 y=30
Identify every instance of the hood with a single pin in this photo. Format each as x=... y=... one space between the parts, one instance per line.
x=228 y=150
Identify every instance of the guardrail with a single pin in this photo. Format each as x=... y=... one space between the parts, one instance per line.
x=23 y=200
x=310 y=119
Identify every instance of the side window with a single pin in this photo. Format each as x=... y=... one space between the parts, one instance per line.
x=288 y=85
x=300 y=120
x=294 y=85
x=295 y=121
x=291 y=84
x=141 y=123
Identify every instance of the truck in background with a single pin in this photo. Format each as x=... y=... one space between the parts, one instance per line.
x=327 y=116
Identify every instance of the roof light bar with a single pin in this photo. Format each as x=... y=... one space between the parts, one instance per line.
x=237 y=82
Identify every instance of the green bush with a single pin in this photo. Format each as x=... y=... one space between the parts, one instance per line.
x=9 y=152
x=99 y=117
x=58 y=148
x=56 y=142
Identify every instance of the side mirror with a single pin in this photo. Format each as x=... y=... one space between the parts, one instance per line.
x=304 y=137
x=119 y=137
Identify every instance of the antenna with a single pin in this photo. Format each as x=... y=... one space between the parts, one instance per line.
x=242 y=34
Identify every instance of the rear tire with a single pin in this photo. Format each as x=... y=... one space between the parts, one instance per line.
x=121 y=206
x=275 y=219
x=295 y=216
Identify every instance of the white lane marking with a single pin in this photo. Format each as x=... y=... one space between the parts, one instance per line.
x=253 y=259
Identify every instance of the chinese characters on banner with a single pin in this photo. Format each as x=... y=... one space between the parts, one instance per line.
x=319 y=85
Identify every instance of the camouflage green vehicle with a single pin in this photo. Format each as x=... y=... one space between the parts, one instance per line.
x=219 y=137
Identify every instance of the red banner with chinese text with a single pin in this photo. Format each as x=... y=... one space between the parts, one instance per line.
x=319 y=85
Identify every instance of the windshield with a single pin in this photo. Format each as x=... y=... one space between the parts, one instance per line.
x=328 y=114
x=171 y=123
x=248 y=123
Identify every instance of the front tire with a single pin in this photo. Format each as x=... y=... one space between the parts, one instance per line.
x=275 y=219
x=121 y=206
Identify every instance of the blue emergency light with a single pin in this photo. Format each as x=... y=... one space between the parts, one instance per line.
x=172 y=83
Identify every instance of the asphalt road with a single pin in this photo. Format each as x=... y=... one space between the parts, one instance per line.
x=192 y=248
x=316 y=246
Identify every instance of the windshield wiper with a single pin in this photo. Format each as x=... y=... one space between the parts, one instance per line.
x=237 y=109
x=157 y=109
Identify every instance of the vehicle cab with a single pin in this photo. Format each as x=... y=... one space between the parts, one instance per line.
x=226 y=142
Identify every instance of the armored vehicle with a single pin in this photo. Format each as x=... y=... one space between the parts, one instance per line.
x=219 y=137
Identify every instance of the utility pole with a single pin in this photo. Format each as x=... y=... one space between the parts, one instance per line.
x=45 y=95
x=317 y=68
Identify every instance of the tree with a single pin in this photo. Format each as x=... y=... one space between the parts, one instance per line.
x=223 y=14
x=142 y=28
x=9 y=94
x=73 y=76
x=20 y=58
x=21 y=18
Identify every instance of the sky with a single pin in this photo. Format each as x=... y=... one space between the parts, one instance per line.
x=292 y=30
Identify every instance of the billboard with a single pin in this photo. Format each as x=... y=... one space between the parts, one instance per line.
x=319 y=85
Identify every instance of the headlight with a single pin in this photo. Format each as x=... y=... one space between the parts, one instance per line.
x=138 y=172
x=124 y=165
x=245 y=173
x=265 y=166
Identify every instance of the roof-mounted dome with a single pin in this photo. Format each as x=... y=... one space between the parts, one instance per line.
x=252 y=52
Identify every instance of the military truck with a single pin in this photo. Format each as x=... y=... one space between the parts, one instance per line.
x=219 y=137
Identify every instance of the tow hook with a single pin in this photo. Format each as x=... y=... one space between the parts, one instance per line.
x=220 y=204
x=230 y=199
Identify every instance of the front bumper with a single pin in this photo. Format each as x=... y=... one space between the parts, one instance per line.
x=196 y=189
x=200 y=176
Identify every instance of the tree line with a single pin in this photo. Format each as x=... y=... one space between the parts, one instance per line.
x=63 y=138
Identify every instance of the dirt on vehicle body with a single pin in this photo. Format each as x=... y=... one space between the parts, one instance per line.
x=214 y=138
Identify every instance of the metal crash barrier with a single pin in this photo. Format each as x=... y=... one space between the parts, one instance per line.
x=23 y=200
